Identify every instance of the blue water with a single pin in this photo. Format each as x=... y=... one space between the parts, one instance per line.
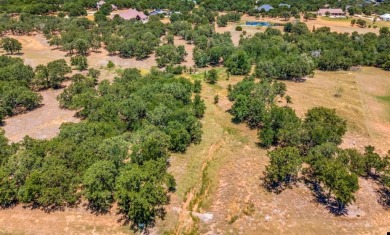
x=257 y=23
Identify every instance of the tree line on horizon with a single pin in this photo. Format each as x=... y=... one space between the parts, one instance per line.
x=79 y=7
x=288 y=55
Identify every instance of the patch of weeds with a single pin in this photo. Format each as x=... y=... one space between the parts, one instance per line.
x=233 y=219
x=385 y=99
x=249 y=208
x=339 y=92
x=110 y=64
x=237 y=134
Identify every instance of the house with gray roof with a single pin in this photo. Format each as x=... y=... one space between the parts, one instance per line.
x=265 y=8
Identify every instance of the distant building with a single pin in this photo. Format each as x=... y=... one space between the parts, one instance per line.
x=100 y=4
x=284 y=5
x=385 y=17
x=332 y=12
x=130 y=14
x=265 y=7
x=158 y=12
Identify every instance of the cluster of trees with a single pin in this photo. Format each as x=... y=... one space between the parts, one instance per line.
x=293 y=7
x=18 y=83
x=298 y=52
x=16 y=95
x=79 y=35
x=170 y=55
x=222 y=20
x=289 y=56
x=299 y=49
x=51 y=75
x=369 y=9
x=119 y=152
x=313 y=140
x=78 y=7
x=11 y=45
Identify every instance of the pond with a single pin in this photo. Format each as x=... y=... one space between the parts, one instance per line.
x=257 y=23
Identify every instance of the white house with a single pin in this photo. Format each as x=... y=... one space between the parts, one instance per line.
x=100 y=4
x=330 y=12
x=385 y=17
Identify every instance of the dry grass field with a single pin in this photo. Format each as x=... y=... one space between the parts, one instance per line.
x=222 y=175
x=41 y=123
x=359 y=103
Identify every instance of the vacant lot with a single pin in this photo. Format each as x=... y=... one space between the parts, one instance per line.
x=19 y=220
x=221 y=176
x=41 y=123
x=354 y=95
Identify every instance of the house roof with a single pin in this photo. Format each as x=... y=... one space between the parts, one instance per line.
x=284 y=5
x=100 y=3
x=331 y=11
x=266 y=7
x=157 y=12
x=132 y=14
x=385 y=15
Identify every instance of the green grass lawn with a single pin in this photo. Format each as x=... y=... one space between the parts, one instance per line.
x=337 y=19
x=386 y=99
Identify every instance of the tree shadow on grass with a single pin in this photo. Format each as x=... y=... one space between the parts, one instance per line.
x=97 y=210
x=143 y=228
x=47 y=209
x=276 y=187
x=384 y=197
x=322 y=198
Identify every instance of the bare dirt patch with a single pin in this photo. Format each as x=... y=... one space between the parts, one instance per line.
x=71 y=221
x=41 y=123
x=189 y=48
x=36 y=50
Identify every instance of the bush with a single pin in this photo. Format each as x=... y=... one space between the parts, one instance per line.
x=239 y=28
x=80 y=62
x=110 y=64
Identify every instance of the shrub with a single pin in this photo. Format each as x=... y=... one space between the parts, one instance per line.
x=110 y=64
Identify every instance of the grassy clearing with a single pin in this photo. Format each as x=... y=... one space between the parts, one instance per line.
x=386 y=100
x=336 y=90
x=326 y=18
